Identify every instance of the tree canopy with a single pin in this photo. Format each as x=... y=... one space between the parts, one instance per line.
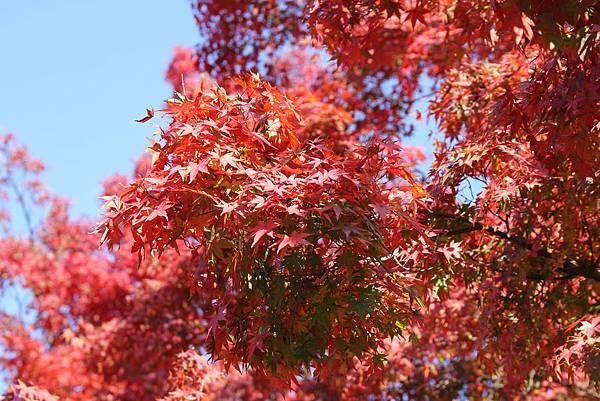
x=280 y=241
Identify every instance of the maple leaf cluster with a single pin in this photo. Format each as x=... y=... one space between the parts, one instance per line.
x=278 y=243
x=292 y=242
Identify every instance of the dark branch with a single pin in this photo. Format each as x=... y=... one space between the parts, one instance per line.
x=571 y=268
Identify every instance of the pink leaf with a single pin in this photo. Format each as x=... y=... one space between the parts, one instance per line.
x=292 y=241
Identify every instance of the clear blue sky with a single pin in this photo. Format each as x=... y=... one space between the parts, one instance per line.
x=76 y=74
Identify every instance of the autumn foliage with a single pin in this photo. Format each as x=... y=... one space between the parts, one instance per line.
x=280 y=241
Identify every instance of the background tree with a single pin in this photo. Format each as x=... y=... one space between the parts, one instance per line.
x=280 y=229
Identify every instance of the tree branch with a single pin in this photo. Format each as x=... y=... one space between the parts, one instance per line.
x=571 y=268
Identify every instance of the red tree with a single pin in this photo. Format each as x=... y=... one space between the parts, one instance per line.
x=280 y=228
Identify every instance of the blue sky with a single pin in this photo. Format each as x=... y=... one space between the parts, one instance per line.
x=76 y=74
